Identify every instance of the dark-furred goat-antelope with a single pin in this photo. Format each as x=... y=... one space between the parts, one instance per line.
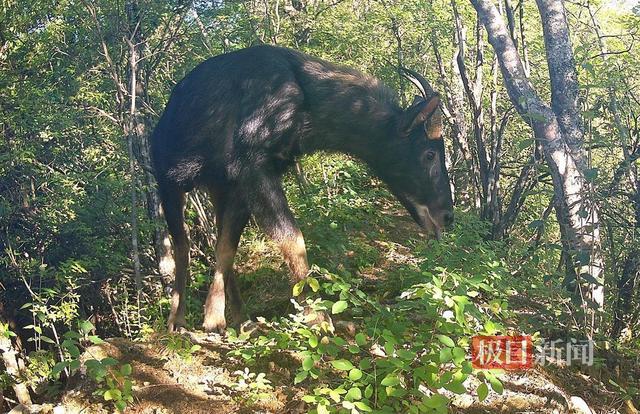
x=237 y=122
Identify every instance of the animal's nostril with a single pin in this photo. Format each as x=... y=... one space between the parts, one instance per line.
x=448 y=219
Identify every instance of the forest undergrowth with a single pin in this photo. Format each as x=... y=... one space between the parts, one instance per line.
x=404 y=310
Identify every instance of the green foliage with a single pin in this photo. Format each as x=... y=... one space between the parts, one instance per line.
x=113 y=380
x=180 y=346
x=255 y=387
x=405 y=352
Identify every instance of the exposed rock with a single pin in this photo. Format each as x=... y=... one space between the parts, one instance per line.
x=579 y=406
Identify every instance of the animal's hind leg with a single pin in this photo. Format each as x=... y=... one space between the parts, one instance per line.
x=173 y=205
x=232 y=216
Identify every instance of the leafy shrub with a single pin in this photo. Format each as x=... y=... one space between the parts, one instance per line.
x=408 y=354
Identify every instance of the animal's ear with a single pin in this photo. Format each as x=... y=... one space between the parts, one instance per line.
x=419 y=112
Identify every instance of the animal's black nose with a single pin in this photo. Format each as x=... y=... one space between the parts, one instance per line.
x=448 y=219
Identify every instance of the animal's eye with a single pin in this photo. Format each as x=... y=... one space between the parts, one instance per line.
x=431 y=155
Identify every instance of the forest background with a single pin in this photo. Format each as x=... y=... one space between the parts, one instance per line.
x=543 y=144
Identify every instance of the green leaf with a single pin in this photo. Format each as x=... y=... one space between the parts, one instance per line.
x=436 y=401
x=322 y=409
x=483 y=391
x=362 y=406
x=301 y=376
x=121 y=405
x=95 y=340
x=390 y=380
x=85 y=327
x=342 y=365
x=73 y=350
x=589 y=68
x=525 y=143
x=74 y=364
x=457 y=387
x=365 y=363
x=355 y=374
x=589 y=278
x=361 y=339
x=535 y=224
x=58 y=368
x=405 y=354
x=368 y=392
x=297 y=288
x=313 y=341
x=126 y=370
x=47 y=339
x=458 y=355
x=108 y=361
x=307 y=364
x=313 y=283
x=354 y=394
x=339 y=307
x=445 y=355
x=112 y=394
x=490 y=327
x=496 y=384
x=446 y=340
x=310 y=399
x=591 y=174
x=583 y=257
x=339 y=341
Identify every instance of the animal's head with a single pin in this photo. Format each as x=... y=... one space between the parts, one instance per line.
x=418 y=175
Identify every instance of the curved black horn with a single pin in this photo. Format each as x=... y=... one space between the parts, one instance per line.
x=420 y=82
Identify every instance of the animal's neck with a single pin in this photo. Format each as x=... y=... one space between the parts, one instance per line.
x=358 y=126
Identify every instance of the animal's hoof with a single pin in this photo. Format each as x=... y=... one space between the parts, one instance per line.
x=176 y=325
x=238 y=319
x=214 y=325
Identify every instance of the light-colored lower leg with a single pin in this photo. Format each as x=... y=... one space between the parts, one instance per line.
x=214 y=307
x=178 y=296
x=295 y=254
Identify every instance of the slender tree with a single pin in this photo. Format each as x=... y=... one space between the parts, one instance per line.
x=558 y=128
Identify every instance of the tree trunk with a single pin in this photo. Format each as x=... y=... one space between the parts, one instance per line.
x=559 y=132
x=579 y=212
x=463 y=178
x=138 y=130
x=9 y=358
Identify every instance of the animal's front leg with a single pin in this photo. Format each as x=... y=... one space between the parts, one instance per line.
x=268 y=204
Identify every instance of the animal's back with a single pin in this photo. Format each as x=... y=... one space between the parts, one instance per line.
x=231 y=110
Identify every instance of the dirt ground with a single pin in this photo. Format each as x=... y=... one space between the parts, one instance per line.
x=209 y=381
